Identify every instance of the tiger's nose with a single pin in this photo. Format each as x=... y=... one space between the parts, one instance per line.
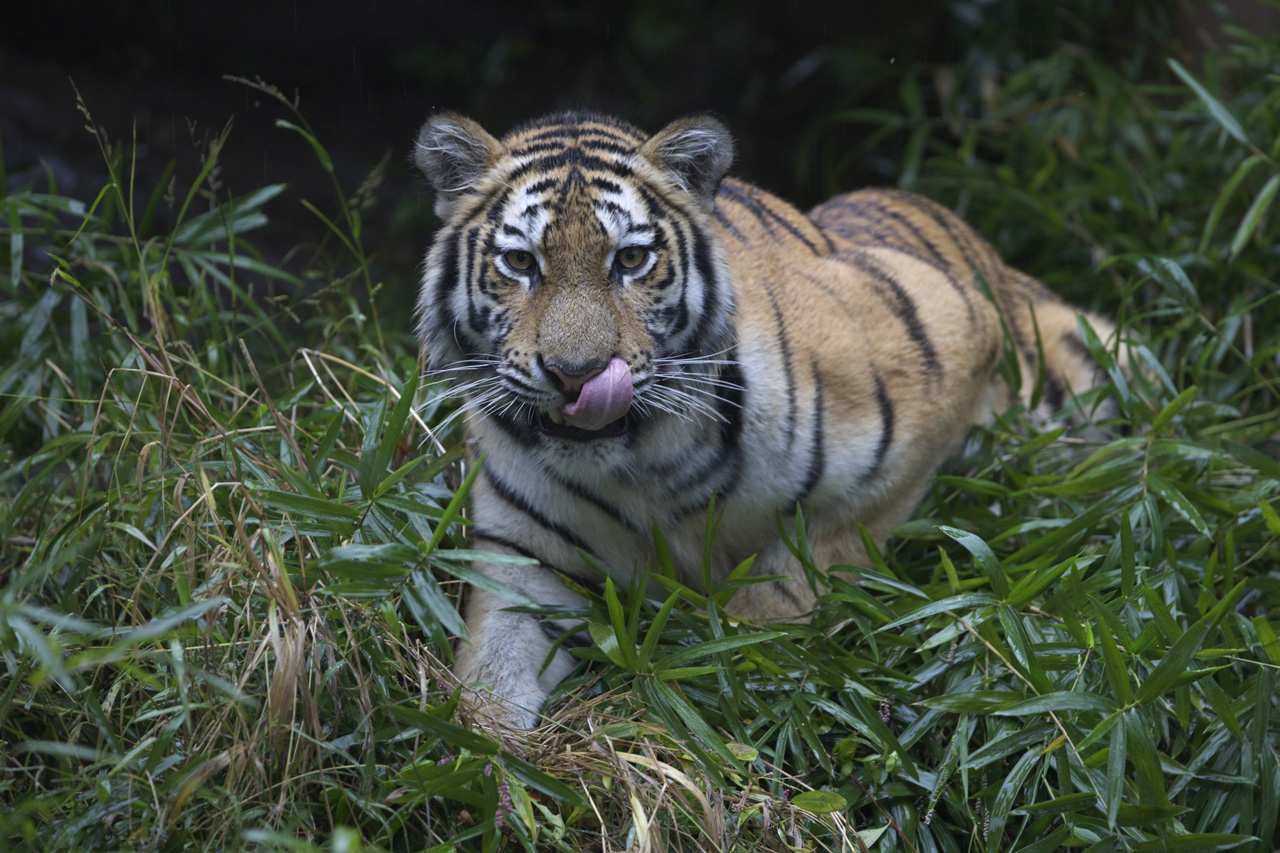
x=572 y=376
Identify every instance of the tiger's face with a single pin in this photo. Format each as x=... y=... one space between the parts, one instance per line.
x=576 y=287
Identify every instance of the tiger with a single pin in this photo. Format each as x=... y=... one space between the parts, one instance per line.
x=633 y=334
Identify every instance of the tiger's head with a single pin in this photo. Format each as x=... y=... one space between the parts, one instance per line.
x=577 y=285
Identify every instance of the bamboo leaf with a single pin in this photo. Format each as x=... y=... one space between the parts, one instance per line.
x=1224 y=198
x=1113 y=788
x=985 y=558
x=1008 y=794
x=1221 y=114
x=713 y=647
x=1179 y=501
x=1068 y=700
x=965 y=601
x=1173 y=664
x=1253 y=216
x=624 y=647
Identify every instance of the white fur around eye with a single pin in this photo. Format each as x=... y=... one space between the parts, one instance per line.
x=643 y=268
x=511 y=271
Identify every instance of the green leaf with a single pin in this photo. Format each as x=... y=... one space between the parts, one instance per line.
x=1036 y=582
x=1020 y=642
x=424 y=592
x=1224 y=197
x=451 y=733
x=390 y=437
x=369 y=561
x=1175 y=407
x=965 y=601
x=1254 y=215
x=1221 y=114
x=606 y=639
x=679 y=672
x=1008 y=794
x=1170 y=275
x=1179 y=501
x=541 y=781
x=1066 y=700
x=1267 y=637
x=455 y=507
x=971 y=701
x=625 y=645
x=713 y=647
x=695 y=723
x=1200 y=842
x=308 y=507
x=1113 y=788
x=819 y=802
x=985 y=557
x=998 y=748
x=1173 y=664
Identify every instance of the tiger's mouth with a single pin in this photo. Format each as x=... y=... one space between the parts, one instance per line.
x=553 y=424
x=598 y=405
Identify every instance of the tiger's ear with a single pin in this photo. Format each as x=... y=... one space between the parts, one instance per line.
x=695 y=152
x=454 y=153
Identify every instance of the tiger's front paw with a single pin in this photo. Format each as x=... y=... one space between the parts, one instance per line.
x=494 y=714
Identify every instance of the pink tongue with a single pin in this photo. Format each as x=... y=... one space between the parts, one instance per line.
x=603 y=399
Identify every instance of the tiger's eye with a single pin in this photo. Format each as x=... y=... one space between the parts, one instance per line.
x=520 y=260
x=632 y=257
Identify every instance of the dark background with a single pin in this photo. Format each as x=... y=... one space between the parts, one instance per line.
x=782 y=73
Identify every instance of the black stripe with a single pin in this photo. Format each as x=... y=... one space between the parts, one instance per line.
x=447 y=282
x=543 y=185
x=743 y=195
x=900 y=302
x=817 y=453
x=959 y=233
x=520 y=430
x=880 y=239
x=975 y=252
x=585 y=143
x=520 y=502
x=477 y=318
x=1054 y=390
x=569 y=157
x=886 y=427
x=497 y=204
x=607 y=185
x=712 y=297
x=681 y=308
x=580 y=491
x=727 y=461
x=786 y=591
x=1077 y=345
x=859 y=208
x=478 y=532
x=553 y=632
x=788 y=367
x=728 y=225
x=577 y=132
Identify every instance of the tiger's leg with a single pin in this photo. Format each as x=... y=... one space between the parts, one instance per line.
x=500 y=664
x=834 y=541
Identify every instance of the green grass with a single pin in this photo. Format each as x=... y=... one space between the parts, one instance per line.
x=232 y=543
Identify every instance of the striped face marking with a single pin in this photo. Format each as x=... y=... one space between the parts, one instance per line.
x=572 y=248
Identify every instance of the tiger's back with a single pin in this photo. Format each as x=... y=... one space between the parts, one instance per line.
x=640 y=333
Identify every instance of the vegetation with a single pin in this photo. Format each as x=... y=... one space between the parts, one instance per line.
x=232 y=537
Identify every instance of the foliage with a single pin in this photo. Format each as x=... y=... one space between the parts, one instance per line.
x=234 y=540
